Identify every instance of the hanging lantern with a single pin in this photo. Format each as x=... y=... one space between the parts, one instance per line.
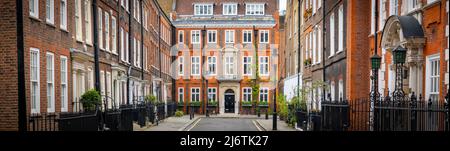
x=375 y=61
x=399 y=54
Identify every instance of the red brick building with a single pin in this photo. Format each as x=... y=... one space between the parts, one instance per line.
x=420 y=26
x=133 y=39
x=215 y=43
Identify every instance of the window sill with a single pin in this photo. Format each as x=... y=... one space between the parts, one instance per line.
x=80 y=41
x=331 y=56
x=50 y=24
x=64 y=29
x=35 y=18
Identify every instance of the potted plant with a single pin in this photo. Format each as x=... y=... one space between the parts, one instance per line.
x=212 y=103
x=90 y=99
x=307 y=62
x=150 y=99
x=246 y=103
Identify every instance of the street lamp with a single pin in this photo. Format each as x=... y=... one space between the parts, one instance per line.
x=399 y=55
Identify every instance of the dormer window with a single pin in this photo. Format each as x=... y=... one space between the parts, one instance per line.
x=254 y=9
x=229 y=9
x=203 y=9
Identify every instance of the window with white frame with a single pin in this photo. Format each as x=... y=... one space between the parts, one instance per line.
x=107 y=31
x=254 y=9
x=34 y=79
x=341 y=29
x=195 y=94
x=90 y=78
x=229 y=36
x=319 y=45
x=102 y=81
x=264 y=36
x=229 y=65
x=122 y=48
x=195 y=61
x=100 y=28
x=263 y=94
x=332 y=91
x=145 y=57
x=229 y=9
x=203 y=9
x=50 y=11
x=108 y=85
x=341 y=90
x=247 y=94
x=63 y=14
x=247 y=36
x=135 y=45
x=372 y=17
x=212 y=36
x=212 y=65
x=180 y=65
x=34 y=8
x=145 y=17
x=78 y=31
x=332 y=27
x=180 y=95
x=247 y=65
x=382 y=15
x=114 y=34
x=64 y=91
x=127 y=53
x=314 y=59
x=433 y=73
x=195 y=34
x=50 y=82
x=87 y=20
x=180 y=36
x=264 y=65
x=212 y=94
x=310 y=45
x=393 y=5
x=431 y=1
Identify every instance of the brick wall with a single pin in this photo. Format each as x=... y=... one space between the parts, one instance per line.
x=8 y=67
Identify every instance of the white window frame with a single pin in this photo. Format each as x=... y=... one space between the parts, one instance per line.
x=214 y=33
x=64 y=84
x=247 y=94
x=263 y=66
x=34 y=52
x=247 y=65
x=263 y=34
x=229 y=65
x=102 y=83
x=212 y=91
x=34 y=13
x=341 y=29
x=332 y=91
x=226 y=9
x=181 y=40
x=432 y=80
x=107 y=33
x=122 y=43
x=50 y=9
x=78 y=24
x=197 y=38
x=264 y=94
x=127 y=48
x=229 y=36
x=341 y=90
x=206 y=10
x=51 y=81
x=195 y=69
x=100 y=28
x=332 y=35
x=393 y=7
x=249 y=35
x=254 y=9
x=114 y=34
x=63 y=14
x=88 y=22
x=181 y=95
x=181 y=65
x=212 y=63
x=195 y=94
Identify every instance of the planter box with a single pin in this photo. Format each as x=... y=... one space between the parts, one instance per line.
x=302 y=117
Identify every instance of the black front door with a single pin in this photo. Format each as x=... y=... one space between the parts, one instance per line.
x=229 y=103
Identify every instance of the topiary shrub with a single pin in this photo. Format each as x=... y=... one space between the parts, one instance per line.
x=150 y=99
x=90 y=99
x=179 y=114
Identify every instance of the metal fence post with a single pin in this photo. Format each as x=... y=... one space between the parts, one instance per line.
x=413 y=108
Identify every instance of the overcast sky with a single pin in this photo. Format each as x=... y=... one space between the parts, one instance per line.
x=282 y=5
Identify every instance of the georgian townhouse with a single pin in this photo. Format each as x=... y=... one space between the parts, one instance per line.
x=215 y=43
x=420 y=26
x=35 y=66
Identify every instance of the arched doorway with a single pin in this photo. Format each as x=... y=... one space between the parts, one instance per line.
x=405 y=31
x=229 y=101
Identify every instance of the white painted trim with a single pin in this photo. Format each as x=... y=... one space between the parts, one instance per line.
x=52 y=101
x=38 y=96
x=66 y=97
x=428 y=72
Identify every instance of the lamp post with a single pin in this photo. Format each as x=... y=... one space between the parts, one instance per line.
x=207 y=99
x=274 y=127
x=205 y=90
x=375 y=61
x=399 y=54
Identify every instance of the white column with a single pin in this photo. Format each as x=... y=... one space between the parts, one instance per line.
x=74 y=90
x=413 y=78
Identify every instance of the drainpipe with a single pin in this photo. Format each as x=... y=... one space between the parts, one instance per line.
x=142 y=45
x=96 y=47
x=160 y=55
x=129 y=52
x=324 y=34
x=22 y=102
x=299 y=47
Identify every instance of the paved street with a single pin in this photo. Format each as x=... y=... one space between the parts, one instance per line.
x=225 y=124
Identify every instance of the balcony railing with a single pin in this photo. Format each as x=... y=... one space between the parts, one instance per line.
x=228 y=78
